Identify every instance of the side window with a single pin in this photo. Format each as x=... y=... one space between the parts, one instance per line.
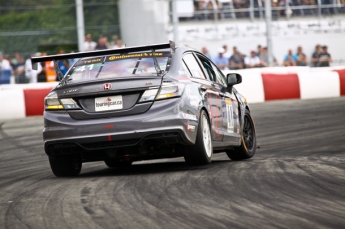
x=208 y=68
x=193 y=66
x=185 y=68
x=220 y=77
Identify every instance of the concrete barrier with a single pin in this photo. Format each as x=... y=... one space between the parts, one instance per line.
x=22 y=100
x=258 y=85
x=341 y=74
x=278 y=83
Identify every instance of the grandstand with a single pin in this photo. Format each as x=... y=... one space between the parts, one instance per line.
x=214 y=23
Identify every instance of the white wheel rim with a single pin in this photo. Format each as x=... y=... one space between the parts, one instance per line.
x=206 y=136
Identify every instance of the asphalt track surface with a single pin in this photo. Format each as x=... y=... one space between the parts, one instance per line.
x=295 y=180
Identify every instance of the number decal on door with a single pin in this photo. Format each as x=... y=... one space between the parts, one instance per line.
x=230 y=115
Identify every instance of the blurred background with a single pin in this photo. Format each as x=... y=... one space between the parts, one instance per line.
x=301 y=32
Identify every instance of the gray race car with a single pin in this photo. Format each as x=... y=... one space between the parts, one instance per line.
x=141 y=103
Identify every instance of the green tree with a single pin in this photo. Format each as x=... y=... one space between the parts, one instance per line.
x=27 y=24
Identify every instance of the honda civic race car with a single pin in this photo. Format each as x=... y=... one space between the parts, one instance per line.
x=141 y=103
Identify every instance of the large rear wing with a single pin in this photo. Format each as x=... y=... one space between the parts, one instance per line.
x=35 y=60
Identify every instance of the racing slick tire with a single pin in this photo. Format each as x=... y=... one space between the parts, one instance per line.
x=117 y=163
x=248 y=141
x=65 y=166
x=201 y=153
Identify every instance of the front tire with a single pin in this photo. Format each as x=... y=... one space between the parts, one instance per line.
x=248 y=141
x=201 y=153
x=65 y=166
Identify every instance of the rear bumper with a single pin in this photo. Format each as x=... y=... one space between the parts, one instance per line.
x=164 y=122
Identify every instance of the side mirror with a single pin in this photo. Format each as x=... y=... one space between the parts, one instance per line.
x=233 y=78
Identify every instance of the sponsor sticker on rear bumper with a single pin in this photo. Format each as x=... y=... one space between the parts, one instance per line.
x=108 y=103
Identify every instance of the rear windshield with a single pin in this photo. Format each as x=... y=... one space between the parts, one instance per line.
x=118 y=66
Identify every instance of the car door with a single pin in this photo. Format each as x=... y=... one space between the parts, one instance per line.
x=230 y=109
x=203 y=82
x=214 y=97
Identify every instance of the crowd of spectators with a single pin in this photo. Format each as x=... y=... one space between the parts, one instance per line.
x=90 y=45
x=257 y=59
x=320 y=58
x=21 y=68
x=205 y=8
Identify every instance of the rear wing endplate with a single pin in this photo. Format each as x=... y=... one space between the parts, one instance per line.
x=35 y=60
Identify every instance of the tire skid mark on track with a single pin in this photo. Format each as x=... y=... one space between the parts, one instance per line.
x=294 y=181
x=17 y=203
x=15 y=141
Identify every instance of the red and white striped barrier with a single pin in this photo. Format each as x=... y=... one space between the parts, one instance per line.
x=258 y=85
x=22 y=100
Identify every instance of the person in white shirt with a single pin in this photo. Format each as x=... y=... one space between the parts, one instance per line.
x=226 y=53
x=252 y=61
x=89 y=44
x=4 y=64
x=31 y=74
x=118 y=44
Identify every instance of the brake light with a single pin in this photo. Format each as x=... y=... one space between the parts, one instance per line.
x=52 y=102
x=170 y=90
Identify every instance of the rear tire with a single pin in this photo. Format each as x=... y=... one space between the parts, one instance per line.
x=65 y=166
x=117 y=163
x=201 y=153
x=248 y=141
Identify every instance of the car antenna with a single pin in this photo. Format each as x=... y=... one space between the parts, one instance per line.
x=158 y=69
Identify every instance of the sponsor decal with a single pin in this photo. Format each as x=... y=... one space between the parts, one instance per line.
x=134 y=55
x=92 y=61
x=108 y=103
x=189 y=116
x=230 y=118
x=97 y=60
x=191 y=127
x=107 y=86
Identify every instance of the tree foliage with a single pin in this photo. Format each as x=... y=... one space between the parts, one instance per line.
x=27 y=24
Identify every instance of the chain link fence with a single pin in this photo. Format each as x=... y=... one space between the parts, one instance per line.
x=29 y=26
